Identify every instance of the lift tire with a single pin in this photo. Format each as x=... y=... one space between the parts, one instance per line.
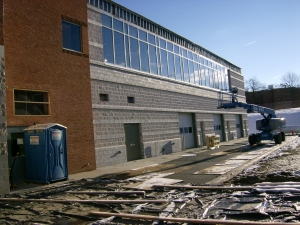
x=252 y=139
x=278 y=138
x=283 y=136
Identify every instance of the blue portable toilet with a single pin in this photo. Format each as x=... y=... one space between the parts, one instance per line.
x=45 y=153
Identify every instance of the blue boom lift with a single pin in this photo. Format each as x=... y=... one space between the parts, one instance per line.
x=270 y=127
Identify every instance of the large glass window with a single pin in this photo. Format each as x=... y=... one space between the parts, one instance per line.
x=171 y=65
x=107 y=45
x=126 y=45
x=153 y=59
x=119 y=48
x=164 y=65
x=71 y=36
x=144 y=56
x=134 y=54
x=31 y=102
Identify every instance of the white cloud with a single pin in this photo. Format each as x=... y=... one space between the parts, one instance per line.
x=250 y=43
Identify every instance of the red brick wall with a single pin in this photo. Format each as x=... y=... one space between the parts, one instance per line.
x=35 y=60
x=279 y=98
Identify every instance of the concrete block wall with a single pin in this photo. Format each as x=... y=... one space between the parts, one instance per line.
x=157 y=102
x=161 y=147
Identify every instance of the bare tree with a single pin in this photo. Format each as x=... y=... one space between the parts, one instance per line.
x=253 y=84
x=290 y=79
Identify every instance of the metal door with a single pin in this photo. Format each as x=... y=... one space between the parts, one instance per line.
x=186 y=130
x=132 y=141
x=218 y=125
x=238 y=126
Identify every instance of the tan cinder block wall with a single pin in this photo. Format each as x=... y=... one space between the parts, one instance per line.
x=35 y=60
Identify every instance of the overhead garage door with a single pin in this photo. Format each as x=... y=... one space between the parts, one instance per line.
x=186 y=130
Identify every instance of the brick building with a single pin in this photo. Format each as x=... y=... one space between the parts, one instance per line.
x=279 y=98
x=125 y=87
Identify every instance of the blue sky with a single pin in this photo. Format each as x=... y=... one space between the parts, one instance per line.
x=260 y=36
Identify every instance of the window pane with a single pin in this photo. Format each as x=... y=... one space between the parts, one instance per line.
x=107 y=45
x=184 y=52
x=144 y=56
x=71 y=36
x=176 y=49
x=125 y=28
x=206 y=77
x=106 y=20
x=118 y=25
x=185 y=70
x=134 y=54
x=171 y=65
x=191 y=71
x=164 y=66
x=142 y=35
x=201 y=60
x=127 y=51
x=151 y=39
x=202 y=75
x=153 y=59
x=196 y=72
x=162 y=43
x=178 y=67
x=195 y=57
x=211 y=78
x=119 y=49
x=133 y=31
x=170 y=46
x=190 y=54
x=31 y=102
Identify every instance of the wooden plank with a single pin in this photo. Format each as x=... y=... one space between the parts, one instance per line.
x=83 y=201
x=187 y=220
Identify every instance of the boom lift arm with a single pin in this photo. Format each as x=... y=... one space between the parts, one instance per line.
x=269 y=127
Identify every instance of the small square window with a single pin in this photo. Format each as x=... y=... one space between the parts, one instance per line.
x=71 y=36
x=103 y=97
x=130 y=99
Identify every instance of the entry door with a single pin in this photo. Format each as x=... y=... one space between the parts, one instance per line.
x=218 y=125
x=238 y=126
x=186 y=130
x=57 y=149
x=132 y=141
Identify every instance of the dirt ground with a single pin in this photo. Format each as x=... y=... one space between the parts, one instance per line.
x=250 y=205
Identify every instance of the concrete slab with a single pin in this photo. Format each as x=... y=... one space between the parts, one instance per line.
x=147 y=184
x=232 y=162
x=216 y=170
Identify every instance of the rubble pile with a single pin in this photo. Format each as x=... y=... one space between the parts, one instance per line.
x=78 y=203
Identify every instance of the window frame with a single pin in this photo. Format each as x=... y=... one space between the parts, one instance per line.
x=46 y=103
x=80 y=36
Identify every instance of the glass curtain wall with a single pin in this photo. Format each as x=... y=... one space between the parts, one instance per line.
x=127 y=46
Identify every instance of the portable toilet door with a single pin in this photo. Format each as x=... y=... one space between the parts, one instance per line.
x=57 y=154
